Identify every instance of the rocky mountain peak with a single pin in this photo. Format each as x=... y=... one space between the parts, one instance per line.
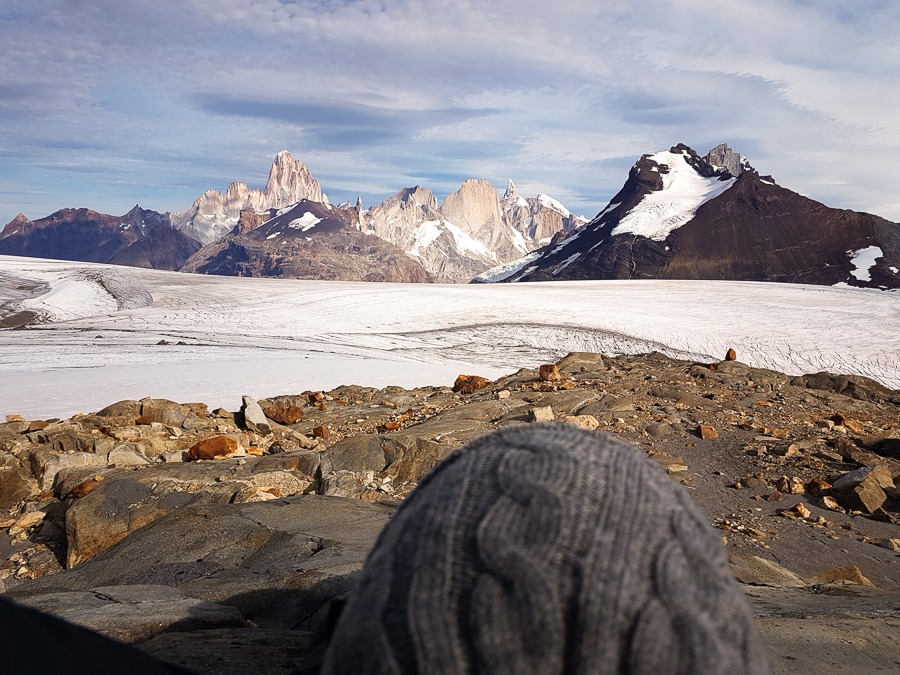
x=213 y=214
x=290 y=181
x=511 y=191
x=723 y=156
x=472 y=207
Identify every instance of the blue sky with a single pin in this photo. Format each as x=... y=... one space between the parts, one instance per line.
x=109 y=103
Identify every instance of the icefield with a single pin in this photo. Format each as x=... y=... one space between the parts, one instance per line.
x=96 y=340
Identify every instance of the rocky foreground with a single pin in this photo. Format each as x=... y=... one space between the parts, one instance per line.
x=216 y=539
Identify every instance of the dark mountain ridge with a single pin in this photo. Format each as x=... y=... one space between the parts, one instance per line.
x=750 y=229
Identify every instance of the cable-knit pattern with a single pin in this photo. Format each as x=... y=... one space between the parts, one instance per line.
x=541 y=550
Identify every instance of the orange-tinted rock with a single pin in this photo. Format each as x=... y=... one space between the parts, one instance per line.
x=731 y=355
x=316 y=396
x=145 y=419
x=85 y=487
x=213 y=448
x=37 y=425
x=286 y=415
x=255 y=451
x=469 y=384
x=549 y=373
x=321 y=432
x=15 y=418
x=847 y=423
x=817 y=486
x=321 y=405
x=390 y=426
x=707 y=431
x=849 y=573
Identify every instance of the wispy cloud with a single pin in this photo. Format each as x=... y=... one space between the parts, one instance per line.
x=104 y=102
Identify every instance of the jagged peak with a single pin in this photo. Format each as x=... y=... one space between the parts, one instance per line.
x=511 y=190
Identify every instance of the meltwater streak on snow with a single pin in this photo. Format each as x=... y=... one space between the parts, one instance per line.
x=684 y=191
x=243 y=334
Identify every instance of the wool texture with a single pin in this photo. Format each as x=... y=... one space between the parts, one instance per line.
x=546 y=549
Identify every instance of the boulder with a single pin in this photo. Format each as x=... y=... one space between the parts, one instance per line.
x=46 y=463
x=14 y=487
x=549 y=373
x=166 y=412
x=217 y=447
x=469 y=384
x=126 y=454
x=868 y=496
x=254 y=418
x=284 y=415
x=544 y=414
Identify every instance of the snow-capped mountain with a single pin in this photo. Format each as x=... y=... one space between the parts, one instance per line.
x=471 y=231
x=683 y=216
x=213 y=215
x=307 y=240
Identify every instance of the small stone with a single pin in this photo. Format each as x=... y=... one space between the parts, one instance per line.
x=316 y=396
x=541 y=414
x=321 y=432
x=825 y=424
x=390 y=426
x=830 y=504
x=15 y=418
x=25 y=522
x=588 y=422
x=549 y=373
x=774 y=496
x=731 y=355
x=706 y=431
x=817 y=486
x=503 y=394
x=797 y=511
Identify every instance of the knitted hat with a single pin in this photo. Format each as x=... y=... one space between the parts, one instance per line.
x=546 y=549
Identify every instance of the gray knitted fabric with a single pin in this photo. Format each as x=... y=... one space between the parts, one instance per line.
x=547 y=549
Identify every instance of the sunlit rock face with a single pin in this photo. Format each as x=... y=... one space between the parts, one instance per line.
x=214 y=214
x=471 y=231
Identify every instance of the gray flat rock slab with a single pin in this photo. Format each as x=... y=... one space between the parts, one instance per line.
x=135 y=613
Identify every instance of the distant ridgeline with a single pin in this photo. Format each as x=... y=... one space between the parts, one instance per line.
x=678 y=216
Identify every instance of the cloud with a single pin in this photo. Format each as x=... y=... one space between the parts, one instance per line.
x=162 y=100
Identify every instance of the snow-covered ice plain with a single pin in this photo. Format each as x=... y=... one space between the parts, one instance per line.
x=100 y=325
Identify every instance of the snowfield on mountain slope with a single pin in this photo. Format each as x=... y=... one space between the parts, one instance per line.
x=228 y=336
x=684 y=191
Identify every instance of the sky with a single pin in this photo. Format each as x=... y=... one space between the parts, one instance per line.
x=110 y=103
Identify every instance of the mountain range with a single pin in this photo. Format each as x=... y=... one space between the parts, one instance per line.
x=679 y=215
x=683 y=216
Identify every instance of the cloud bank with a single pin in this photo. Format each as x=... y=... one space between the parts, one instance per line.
x=108 y=103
